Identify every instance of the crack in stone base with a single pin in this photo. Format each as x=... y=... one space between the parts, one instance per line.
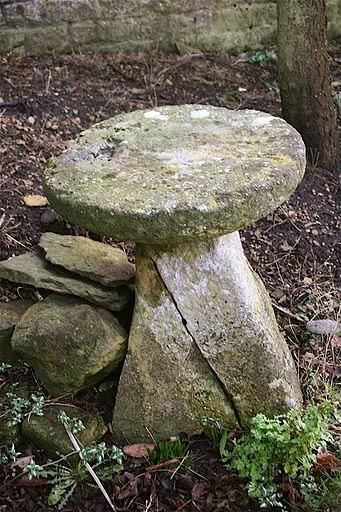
x=227 y=394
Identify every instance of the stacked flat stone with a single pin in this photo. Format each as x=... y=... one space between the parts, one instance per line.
x=72 y=339
x=181 y=181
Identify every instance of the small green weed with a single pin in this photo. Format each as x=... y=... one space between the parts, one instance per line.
x=263 y=58
x=19 y=407
x=283 y=445
x=212 y=429
x=64 y=478
x=8 y=454
x=169 y=450
x=4 y=367
x=325 y=496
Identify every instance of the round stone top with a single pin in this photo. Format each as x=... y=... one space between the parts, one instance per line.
x=176 y=173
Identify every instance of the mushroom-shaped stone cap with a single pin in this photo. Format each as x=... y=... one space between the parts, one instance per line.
x=176 y=173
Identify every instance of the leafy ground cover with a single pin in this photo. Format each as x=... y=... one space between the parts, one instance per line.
x=296 y=250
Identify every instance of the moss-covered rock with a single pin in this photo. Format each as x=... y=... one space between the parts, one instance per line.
x=93 y=260
x=69 y=343
x=176 y=173
x=33 y=269
x=204 y=342
x=48 y=433
x=166 y=386
x=10 y=314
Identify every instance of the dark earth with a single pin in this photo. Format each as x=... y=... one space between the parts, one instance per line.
x=44 y=103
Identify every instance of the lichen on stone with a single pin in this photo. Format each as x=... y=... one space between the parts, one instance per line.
x=176 y=173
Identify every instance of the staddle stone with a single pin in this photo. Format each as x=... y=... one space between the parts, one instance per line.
x=181 y=181
x=176 y=173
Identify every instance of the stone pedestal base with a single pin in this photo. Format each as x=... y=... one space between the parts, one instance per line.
x=204 y=343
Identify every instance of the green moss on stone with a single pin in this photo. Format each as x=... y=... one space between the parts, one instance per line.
x=176 y=173
x=48 y=433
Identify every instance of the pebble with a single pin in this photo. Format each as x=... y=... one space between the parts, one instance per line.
x=48 y=216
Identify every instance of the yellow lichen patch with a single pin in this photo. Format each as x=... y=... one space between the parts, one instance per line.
x=282 y=159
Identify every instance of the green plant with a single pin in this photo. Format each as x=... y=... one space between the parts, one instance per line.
x=286 y=444
x=263 y=58
x=4 y=367
x=75 y=425
x=19 y=407
x=8 y=454
x=325 y=495
x=212 y=429
x=169 y=450
x=65 y=477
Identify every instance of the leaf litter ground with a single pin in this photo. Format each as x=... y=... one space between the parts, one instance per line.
x=44 y=103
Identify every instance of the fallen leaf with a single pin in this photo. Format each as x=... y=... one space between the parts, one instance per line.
x=31 y=482
x=22 y=462
x=198 y=491
x=285 y=246
x=337 y=373
x=308 y=357
x=35 y=200
x=326 y=462
x=139 y=450
x=335 y=342
x=307 y=280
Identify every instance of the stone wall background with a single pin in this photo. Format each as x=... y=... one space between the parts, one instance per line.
x=43 y=26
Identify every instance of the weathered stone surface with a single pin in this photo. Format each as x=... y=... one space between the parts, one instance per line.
x=32 y=269
x=94 y=260
x=10 y=314
x=70 y=344
x=48 y=216
x=208 y=295
x=176 y=173
x=166 y=385
x=48 y=433
x=328 y=327
x=131 y=25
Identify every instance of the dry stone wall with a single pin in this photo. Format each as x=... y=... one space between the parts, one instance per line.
x=43 y=26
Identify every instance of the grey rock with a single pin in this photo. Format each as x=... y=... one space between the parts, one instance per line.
x=10 y=314
x=176 y=173
x=70 y=344
x=32 y=269
x=166 y=386
x=329 y=327
x=49 y=434
x=48 y=216
x=203 y=338
x=93 y=260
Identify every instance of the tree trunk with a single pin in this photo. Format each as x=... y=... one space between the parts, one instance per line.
x=304 y=77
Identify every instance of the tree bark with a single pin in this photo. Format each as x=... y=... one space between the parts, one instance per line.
x=304 y=77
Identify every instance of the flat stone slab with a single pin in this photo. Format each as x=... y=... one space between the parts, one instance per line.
x=32 y=269
x=88 y=258
x=176 y=173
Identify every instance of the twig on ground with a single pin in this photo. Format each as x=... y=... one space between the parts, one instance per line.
x=288 y=313
x=162 y=465
x=11 y=104
x=179 y=466
x=89 y=468
x=48 y=81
